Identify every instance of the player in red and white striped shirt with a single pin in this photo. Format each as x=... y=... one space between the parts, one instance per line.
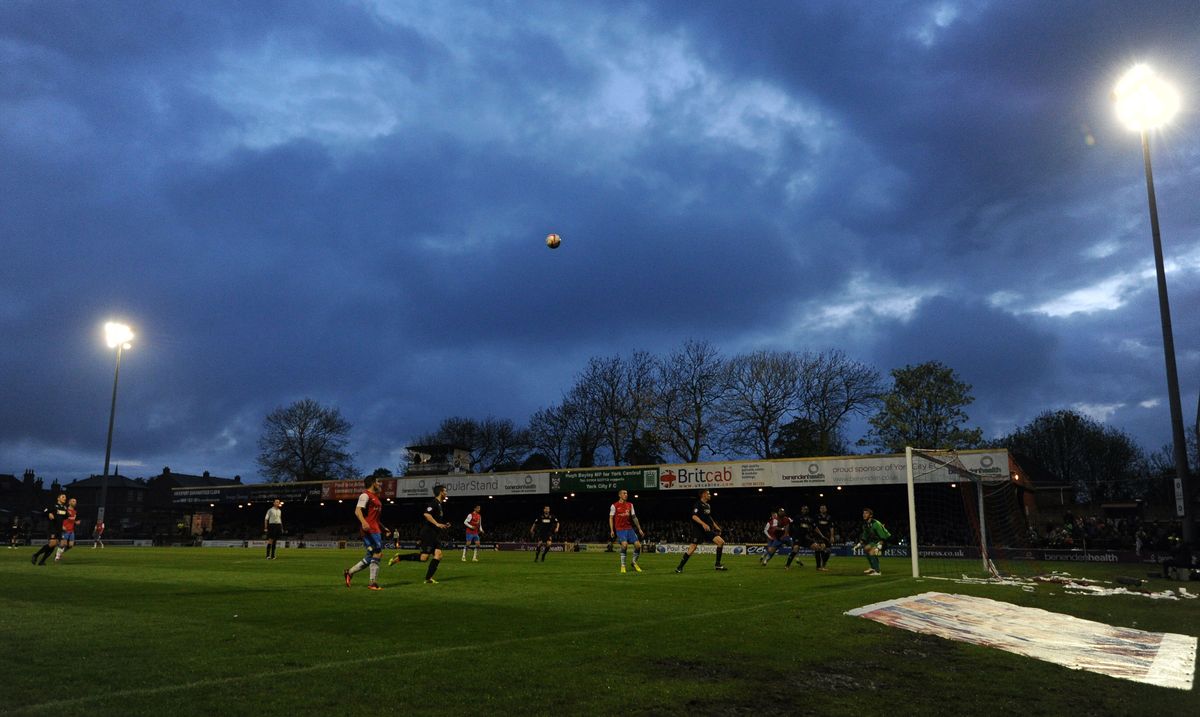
x=777 y=534
x=474 y=524
x=367 y=512
x=623 y=526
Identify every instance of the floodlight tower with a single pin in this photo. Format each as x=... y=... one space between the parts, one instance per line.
x=1146 y=102
x=118 y=336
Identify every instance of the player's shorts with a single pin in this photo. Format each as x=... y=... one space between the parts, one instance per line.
x=55 y=533
x=627 y=536
x=780 y=542
x=274 y=531
x=69 y=536
x=700 y=536
x=373 y=542
x=545 y=537
x=472 y=538
x=430 y=543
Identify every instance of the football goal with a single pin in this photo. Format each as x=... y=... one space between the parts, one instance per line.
x=964 y=523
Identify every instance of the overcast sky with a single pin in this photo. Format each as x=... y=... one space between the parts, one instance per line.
x=348 y=202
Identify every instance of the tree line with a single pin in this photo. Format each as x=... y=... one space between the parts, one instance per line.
x=695 y=404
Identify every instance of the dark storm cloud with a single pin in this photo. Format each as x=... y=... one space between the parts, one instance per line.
x=346 y=201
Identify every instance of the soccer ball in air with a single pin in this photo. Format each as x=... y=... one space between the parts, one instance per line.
x=553 y=240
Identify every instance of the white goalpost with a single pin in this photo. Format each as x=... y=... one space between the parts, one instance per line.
x=963 y=523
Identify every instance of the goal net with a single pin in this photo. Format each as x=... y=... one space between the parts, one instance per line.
x=963 y=523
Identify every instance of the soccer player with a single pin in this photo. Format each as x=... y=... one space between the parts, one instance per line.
x=55 y=515
x=98 y=535
x=367 y=511
x=546 y=526
x=431 y=532
x=704 y=530
x=474 y=524
x=871 y=540
x=778 y=535
x=68 y=532
x=623 y=525
x=824 y=536
x=273 y=526
x=14 y=531
x=801 y=532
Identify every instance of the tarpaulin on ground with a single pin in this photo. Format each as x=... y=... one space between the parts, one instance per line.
x=1163 y=659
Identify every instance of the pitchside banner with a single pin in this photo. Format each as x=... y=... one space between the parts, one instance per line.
x=351 y=489
x=475 y=484
x=604 y=480
x=287 y=492
x=732 y=474
x=885 y=470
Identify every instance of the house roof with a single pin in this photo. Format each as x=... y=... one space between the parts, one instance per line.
x=114 y=481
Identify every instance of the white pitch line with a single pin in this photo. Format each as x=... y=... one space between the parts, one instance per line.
x=249 y=677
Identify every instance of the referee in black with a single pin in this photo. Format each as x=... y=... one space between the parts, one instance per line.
x=433 y=523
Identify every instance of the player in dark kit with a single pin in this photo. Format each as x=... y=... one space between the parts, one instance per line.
x=802 y=530
x=544 y=528
x=704 y=530
x=434 y=522
x=55 y=514
x=823 y=536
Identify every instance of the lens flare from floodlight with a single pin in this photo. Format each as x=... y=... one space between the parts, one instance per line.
x=117 y=335
x=1144 y=100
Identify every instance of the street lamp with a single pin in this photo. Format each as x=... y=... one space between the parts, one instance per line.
x=1145 y=102
x=118 y=337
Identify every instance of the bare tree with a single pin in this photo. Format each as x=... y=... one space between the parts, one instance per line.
x=833 y=387
x=305 y=441
x=502 y=445
x=622 y=392
x=550 y=435
x=761 y=391
x=584 y=426
x=690 y=385
x=568 y=434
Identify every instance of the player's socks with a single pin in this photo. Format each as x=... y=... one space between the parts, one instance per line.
x=58 y=553
x=791 y=557
x=464 y=553
x=624 y=552
x=682 y=562
x=359 y=566
x=874 y=561
x=374 y=571
x=475 y=555
x=636 y=554
x=433 y=566
x=720 y=549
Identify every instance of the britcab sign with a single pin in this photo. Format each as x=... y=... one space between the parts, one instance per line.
x=712 y=476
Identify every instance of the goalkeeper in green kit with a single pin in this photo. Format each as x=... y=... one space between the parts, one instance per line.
x=871 y=540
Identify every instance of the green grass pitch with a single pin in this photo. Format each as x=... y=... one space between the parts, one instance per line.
x=139 y=631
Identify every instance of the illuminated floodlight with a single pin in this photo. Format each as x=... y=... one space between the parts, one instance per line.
x=1144 y=100
x=117 y=335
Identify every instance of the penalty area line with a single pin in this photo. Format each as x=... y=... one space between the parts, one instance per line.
x=356 y=661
